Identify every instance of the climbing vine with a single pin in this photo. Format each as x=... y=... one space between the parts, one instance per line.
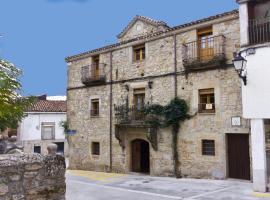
x=170 y=115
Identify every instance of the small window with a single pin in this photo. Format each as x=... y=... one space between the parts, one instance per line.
x=207 y=101
x=94 y=107
x=139 y=52
x=208 y=147
x=95 y=148
x=37 y=149
x=47 y=130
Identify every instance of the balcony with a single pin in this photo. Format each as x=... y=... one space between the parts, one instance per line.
x=259 y=31
x=204 y=54
x=93 y=74
x=129 y=115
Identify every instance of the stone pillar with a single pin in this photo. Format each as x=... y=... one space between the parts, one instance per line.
x=259 y=166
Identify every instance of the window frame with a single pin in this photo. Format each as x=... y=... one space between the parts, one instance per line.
x=208 y=150
x=95 y=152
x=209 y=93
x=92 y=102
x=48 y=124
x=141 y=50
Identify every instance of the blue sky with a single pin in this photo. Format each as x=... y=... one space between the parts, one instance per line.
x=39 y=34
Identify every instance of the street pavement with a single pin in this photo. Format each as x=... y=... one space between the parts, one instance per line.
x=85 y=185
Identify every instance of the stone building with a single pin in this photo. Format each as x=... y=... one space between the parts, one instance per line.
x=152 y=63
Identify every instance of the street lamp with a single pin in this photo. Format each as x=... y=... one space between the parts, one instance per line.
x=240 y=65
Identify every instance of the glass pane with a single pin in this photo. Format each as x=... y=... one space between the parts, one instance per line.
x=47 y=132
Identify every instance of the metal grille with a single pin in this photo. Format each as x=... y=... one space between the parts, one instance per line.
x=208 y=147
x=259 y=30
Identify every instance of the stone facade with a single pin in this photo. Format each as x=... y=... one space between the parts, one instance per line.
x=32 y=177
x=163 y=54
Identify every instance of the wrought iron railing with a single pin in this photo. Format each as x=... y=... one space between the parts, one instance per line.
x=206 y=108
x=259 y=30
x=204 y=50
x=129 y=115
x=93 y=73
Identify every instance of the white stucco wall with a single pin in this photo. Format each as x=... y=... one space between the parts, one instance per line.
x=256 y=94
x=30 y=127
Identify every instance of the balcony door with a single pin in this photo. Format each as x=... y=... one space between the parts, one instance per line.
x=205 y=44
x=139 y=97
x=96 y=67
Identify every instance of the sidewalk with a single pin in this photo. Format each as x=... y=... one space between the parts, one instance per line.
x=87 y=185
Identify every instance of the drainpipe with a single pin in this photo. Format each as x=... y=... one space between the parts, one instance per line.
x=175 y=65
x=111 y=111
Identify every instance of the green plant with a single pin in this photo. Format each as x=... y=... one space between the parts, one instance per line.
x=64 y=125
x=12 y=105
x=170 y=115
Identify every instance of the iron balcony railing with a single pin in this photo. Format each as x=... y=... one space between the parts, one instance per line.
x=129 y=115
x=206 y=108
x=92 y=74
x=204 y=50
x=259 y=30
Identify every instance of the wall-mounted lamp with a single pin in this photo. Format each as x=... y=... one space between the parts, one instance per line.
x=150 y=84
x=240 y=65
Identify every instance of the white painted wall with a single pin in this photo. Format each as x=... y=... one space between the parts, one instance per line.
x=30 y=127
x=256 y=94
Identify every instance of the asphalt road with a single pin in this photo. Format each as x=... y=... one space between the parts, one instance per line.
x=102 y=186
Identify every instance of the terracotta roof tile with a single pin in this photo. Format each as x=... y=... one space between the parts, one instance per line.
x=48 y=106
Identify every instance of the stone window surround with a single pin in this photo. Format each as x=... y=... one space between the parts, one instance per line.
x=47 y=124
x=95 y=156
x=205 y=84
x=131 y=53
x=137 y=85
x=90 y=105
x=218 y=146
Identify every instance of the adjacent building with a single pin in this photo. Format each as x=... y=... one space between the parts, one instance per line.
x=153 y=63
x=41 y=126
x=255 y=49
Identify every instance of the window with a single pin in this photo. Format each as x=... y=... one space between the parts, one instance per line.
x=139 y=52
x=95 y=148
x=94 y=107
x=47 y=130
x=37 y=149
x=60 y=147
x=139 y=98
x=207 y=101
x=208 y=147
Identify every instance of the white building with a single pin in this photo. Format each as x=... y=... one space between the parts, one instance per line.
x=42 y=126
x=255 y=49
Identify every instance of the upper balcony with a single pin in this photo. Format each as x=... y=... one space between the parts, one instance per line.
x=93 y=74
x=204 y=54
x=259 y=30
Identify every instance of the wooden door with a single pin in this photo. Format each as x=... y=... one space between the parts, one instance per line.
x=136 y=155
x=205 y=44
x=238 y=156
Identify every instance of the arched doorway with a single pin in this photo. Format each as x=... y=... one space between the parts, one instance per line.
x=140 y=156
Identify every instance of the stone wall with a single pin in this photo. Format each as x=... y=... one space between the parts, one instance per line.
x=32 y=177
